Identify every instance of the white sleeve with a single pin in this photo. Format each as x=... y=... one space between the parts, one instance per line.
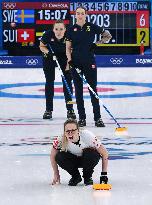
x=90 y=139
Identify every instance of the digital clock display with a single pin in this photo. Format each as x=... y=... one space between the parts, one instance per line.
x=24 y=23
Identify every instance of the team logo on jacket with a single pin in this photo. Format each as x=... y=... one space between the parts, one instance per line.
x=75 y=29
x=88 y=28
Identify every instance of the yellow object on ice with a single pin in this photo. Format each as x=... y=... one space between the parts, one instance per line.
x=121 y=131
x=71 y=102
x=102 y=186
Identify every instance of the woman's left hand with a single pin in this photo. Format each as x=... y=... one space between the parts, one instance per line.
x=106 y=36
x=56 y=179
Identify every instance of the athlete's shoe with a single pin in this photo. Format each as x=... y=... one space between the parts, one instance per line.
x=99 y=123
x=75 y=180
x=88 y=181
x=82 y=122
x=47 y=115
x=71 y=114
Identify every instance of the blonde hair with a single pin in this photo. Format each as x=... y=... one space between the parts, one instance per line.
x=64 y=138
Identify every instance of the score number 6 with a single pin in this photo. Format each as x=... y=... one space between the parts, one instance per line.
x=142 y=20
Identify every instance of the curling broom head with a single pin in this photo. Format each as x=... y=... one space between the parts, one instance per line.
x=71 y=102
x=102 y=186
x=121 y=131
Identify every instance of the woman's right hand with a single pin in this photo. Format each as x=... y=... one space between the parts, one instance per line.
x=56 y=179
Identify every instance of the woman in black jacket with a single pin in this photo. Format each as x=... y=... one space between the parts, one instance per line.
x=55 y=39
x=79 y=41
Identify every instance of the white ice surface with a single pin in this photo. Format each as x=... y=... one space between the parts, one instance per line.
x=25 y=171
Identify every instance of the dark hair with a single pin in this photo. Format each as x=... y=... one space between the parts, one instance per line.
x=81 y=7
x=59 y=21
x=71 y=121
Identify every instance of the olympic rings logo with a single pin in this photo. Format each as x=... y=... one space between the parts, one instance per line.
x=32 y=61
x=44 y=5
x=9 y=5
x=116 y=60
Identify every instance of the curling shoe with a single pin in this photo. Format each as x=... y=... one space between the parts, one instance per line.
x=88 y=181
x=71 y=114
x=47 y=115
x=82 y=122
x=99 y=123
x=75 y=180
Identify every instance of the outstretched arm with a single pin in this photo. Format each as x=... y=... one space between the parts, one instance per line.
x=68 y=50
x=56 y=178
x=104 y=153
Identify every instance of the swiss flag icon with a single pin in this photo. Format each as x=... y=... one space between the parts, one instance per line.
x=25 y=35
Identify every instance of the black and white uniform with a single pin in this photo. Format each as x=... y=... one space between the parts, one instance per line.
x=82 y=154
x=59 y=48
x=83 y=58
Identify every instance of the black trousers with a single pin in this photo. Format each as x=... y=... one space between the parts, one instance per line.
x=71 y=162
x=49 y=72
x=89 y=70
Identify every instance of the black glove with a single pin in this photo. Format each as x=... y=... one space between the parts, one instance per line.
x=50 y=54
x=70 y=64
x=103 y=178
x=68 y=75
x=93 y=47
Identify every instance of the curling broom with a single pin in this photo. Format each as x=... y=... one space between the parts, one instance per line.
x=62 y=75
x=122 y=131
x=103 y=183
x=102 y=186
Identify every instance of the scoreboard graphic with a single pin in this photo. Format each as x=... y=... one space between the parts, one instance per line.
x=25 y=22
x=128 y=22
